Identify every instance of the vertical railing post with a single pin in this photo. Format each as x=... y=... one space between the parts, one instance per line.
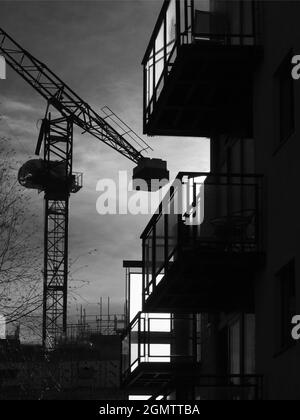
x=148 y=335
x=146 y=96
x=129 y=348
x=165 y=70
x=254 y=29
x=179 y=234
x=192 y=19
x=166 y=242
x=257 y=217
x=139 y=338
x=144 y=273
x=194 y=226
x=178 y=40
x=186 y=20
x=154 y=77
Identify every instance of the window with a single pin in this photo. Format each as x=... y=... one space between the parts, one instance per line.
x=249 y=344
x=285 y=103
x=234 y=348
x=287 y=285
x=241 y=335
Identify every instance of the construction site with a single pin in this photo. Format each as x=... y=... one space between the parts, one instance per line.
x=84 y=365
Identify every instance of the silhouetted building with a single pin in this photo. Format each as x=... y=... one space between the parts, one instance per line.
x=85 y=368
x=226 y=261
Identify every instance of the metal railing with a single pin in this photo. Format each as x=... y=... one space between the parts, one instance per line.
x=230 y=387
x=159 y=338
x=184 y=23
x=245 y=387
x=210 y=212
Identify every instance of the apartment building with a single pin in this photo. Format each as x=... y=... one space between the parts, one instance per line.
x=224 y=268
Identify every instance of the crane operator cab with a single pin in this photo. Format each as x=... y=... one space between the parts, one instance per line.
x=150 y=175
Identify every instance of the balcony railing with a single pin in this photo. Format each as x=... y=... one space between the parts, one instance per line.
x=230 y=387
x=203 y=212
x=222 y=388
x=182 y=22
x=159 y=339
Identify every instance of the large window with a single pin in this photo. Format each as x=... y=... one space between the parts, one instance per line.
x=287 y=287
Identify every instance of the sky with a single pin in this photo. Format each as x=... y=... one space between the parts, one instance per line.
x=96 y=47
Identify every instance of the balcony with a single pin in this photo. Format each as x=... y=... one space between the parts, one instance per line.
x=204 y=244
x=157 y=349
x=198 y=70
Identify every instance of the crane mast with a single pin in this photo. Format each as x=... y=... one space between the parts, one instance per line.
x=58 y=147
x=54 y=174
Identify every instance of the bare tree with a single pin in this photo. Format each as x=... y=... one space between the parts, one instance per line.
x=20 y=254
x=21 y=251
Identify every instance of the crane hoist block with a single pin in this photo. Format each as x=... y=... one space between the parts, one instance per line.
x=150 y=174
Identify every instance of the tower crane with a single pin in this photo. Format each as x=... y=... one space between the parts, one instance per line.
x=54 y=173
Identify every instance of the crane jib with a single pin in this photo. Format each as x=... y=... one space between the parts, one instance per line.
x=63 y=98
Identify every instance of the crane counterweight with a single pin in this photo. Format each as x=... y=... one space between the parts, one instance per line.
x=152 y=172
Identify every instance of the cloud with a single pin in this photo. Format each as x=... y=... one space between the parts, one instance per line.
x=11 y=105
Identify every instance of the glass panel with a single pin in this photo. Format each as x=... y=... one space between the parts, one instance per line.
x=203 y=5
x=149 y=77
x=155 y=322
x=136 y=290
x=172 y=234
x=159 y=54
x=202 y=25
x=159 y=353
x=134 y=350
x=160 y=244
x=171 y=26
x=194 y=203
x=134 y=346
x=135 y=326
x=160 y=323
x=182 y=23
x=159 y=278
x=148 y=259
x=175 y=208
